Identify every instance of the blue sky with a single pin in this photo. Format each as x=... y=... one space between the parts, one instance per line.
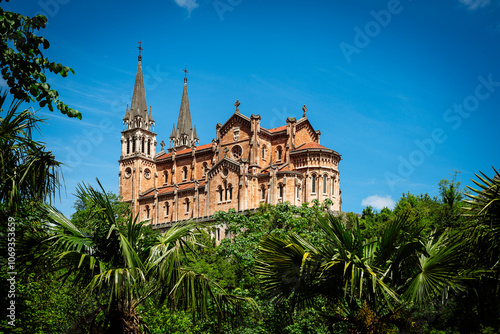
x=406 y=91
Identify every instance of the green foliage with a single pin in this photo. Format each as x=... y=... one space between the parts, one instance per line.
x=483 y=207
x=127 y=264
x=353 y=273
x=305 y=270
x=161 y=319
x=246 y=230
x=28 y=172
x=44 y=305
x=428 y=213
x=482 y=230
x=23 y=64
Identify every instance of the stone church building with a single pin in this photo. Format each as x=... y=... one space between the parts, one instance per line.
x=243 y=167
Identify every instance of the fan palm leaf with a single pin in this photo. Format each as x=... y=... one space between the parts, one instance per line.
x=27 y=171
x=483 y=207
x=440 y=268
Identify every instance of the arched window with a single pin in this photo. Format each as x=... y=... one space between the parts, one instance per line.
x=280 y=190
x=147 y=211
x=167 y=207
x=333 y=186
x=263 y=192
x=133 y=145
x=149 y=146
x=313 y=183
x=324 y=184
x=166 y=177
x=187 y=205
x=184 y=173
x=142 y=145
x=220 y=193
x=205 y=168
x=230 y=188
x=128 y=145
x=263 y=151
x=279 y=151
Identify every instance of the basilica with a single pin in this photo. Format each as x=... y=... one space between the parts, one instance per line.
x=244 y=166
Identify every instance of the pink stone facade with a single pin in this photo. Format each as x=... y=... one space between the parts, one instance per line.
x=243 y=167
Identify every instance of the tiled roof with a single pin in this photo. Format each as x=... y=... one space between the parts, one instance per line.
x=190 y=185
x=166 y=155
x=278 y=129
x=187 y=150
x=310 y=145
x=163 y=156
x=149 y=193
x=167 y=189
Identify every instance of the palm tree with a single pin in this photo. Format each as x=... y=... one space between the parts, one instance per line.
x=483 y=207
x=117 y=262
x=354 y=276
x=27 y=171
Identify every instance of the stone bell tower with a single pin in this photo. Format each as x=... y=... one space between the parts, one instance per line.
x=137 y=168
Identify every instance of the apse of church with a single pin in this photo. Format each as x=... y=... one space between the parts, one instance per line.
x=243 y=167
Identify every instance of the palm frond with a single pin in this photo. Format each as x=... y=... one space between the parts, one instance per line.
x=27 y=170
x=440 y=269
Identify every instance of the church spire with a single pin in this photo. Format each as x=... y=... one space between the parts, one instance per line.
x=184 y=125
x=138 y=116
x=139 y=107
x=184 y=133
x=195 y=134
x=151 y=119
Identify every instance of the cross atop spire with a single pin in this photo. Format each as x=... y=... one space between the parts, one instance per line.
x=140 y=49
x=237 y=104
x=185 y=73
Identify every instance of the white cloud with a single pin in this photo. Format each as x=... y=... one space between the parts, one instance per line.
x=379 y=202
x=188 y=4
x=475 y=4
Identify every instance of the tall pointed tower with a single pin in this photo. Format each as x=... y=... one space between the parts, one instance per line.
x=184 y=136
x=137 y=167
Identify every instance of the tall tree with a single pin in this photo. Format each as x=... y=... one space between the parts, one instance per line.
x=119 y=262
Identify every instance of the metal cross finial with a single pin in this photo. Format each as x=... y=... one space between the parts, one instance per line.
x=305 y=110
x=140 y=49
x=185 y=71
x=237 y=104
